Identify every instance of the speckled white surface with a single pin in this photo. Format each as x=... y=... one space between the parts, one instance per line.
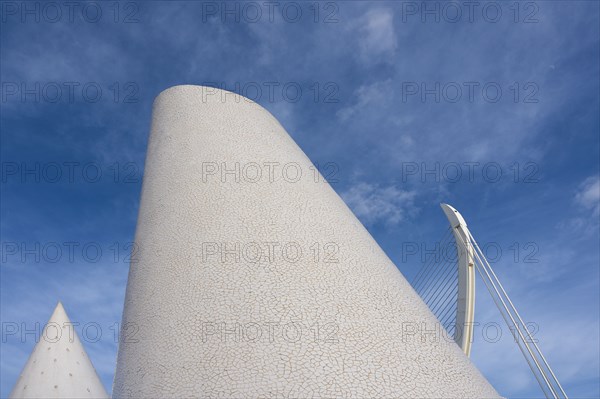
x=58 y=366
x=204 y=322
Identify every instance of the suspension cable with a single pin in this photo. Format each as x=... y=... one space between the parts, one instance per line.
x=520 y=320
x=492 y=283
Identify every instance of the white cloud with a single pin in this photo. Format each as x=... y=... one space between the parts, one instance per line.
x=377 y=38
x=374 y=204
x=366 y=95
x=588 y=195
x=587 y=199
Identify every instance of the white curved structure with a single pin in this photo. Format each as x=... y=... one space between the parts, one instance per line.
x=528 y=346
x=465 y=313
x=254 y=279
x=58 y=366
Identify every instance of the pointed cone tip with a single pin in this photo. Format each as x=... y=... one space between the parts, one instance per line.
x=59 y=307
x=59 y=313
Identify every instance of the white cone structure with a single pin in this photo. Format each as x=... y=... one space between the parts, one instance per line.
x=252 y=278
x=59 y=366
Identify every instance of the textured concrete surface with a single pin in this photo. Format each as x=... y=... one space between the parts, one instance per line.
x=58 y=366
x=260 y=282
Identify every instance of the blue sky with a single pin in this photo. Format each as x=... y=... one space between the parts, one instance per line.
x=505 y=94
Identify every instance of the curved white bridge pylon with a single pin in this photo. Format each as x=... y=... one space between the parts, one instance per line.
x=465 y=305
x=446 y=283
x=447 y=286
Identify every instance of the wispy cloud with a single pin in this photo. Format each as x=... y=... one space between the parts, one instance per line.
x=377 y=38
x=588 y=195
x=585 y=221
x=370 y=95
x=373 y=204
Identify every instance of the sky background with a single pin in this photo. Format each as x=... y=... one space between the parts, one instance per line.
x=375 y=93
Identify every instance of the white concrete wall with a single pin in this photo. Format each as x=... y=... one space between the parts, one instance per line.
x=194 y=318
